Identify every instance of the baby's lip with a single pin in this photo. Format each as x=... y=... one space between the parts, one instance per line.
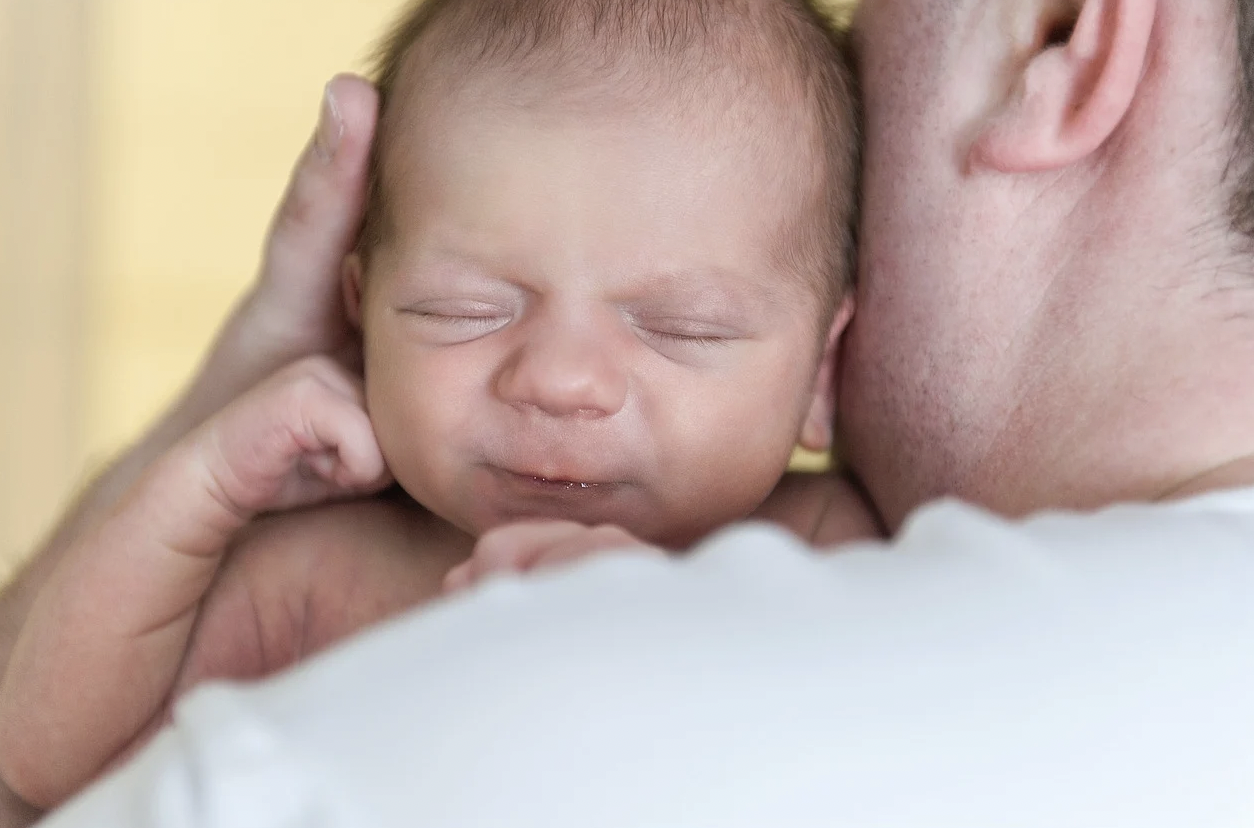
x=569 y=484
x=555 y=479
x=513 y=494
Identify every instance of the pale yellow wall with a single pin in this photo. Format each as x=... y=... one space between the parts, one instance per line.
x=42 y=126
x=200 y=109
x=144 y=145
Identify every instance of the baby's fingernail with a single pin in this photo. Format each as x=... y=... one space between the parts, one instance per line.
x=330 y=127
x=455 y=579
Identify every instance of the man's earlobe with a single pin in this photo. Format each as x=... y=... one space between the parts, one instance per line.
x=350 y=278
x=1075 y=88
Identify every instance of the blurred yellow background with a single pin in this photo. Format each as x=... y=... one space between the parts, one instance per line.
x=143 y=146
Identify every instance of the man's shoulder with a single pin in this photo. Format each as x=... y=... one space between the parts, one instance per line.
x=1126 y=536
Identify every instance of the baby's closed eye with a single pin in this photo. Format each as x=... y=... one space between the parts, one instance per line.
x=687 y=331
x=451 y=321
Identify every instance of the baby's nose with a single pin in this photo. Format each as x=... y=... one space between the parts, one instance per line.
x=565 y=371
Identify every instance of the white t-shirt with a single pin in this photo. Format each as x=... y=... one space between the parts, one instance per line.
x=1068 y=670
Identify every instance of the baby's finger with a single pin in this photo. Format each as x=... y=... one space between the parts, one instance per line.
x=517 y=545
x=592 y=541
x=458 y=578
x=342 y=429
x=327 y=371
x=339 y=479
x=514 y=547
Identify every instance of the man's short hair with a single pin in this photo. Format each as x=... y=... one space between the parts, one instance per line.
x=1242 y=164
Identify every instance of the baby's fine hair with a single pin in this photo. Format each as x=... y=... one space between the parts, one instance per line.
x=786 y=49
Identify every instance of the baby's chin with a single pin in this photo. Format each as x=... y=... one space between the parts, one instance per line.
x=487 y=497
x=588 y=506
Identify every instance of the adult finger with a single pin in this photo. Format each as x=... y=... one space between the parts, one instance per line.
x=321 y=212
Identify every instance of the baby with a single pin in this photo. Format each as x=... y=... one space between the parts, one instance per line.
x=600 y=285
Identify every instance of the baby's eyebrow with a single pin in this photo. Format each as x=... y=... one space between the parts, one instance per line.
x=444 y=260
x=709 y=290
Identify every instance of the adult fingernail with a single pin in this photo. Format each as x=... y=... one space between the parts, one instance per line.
x=330 y=127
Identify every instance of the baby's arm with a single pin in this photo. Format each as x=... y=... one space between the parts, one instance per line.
x=103 y=643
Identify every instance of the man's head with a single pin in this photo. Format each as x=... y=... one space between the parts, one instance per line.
x=1242 y=204
x=1055 y=299
x=606 y=249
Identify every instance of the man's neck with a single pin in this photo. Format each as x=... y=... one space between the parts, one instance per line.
x=1145 y=389
x=1237 y=474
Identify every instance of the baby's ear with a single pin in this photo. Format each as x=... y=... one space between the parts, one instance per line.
x=816 y=430
x=350 y=279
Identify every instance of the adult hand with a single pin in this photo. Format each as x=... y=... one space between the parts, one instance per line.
x=522 y=547
x=293 y=310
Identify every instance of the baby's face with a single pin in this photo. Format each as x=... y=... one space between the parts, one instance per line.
x=586 y=318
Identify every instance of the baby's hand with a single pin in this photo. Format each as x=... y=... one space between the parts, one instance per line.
x=117 y=614
x=522 y=547
x=302 y=437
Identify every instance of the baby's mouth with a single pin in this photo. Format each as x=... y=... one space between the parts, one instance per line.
x=552 y=494
x=564 y=484
x=528 y=482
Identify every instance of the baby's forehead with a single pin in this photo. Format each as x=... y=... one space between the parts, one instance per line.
x=470 y=151
x=756 y=74
x=593 y=36
x=680 y=52
x=738 y=97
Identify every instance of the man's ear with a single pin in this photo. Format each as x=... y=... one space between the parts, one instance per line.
x=816 y=429
x=350 y=281
x=1075 y=88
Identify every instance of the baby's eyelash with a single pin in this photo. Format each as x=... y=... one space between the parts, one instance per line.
x=447 y=317
x=690 y=339
x=451 y=318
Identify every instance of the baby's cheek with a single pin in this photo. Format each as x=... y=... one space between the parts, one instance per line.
x=404 y=439
x=727 y=479
x=415 y=410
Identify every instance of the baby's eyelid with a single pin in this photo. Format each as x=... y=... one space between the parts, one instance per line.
x=681 y=328
x=690 y=339
x=458 y=309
